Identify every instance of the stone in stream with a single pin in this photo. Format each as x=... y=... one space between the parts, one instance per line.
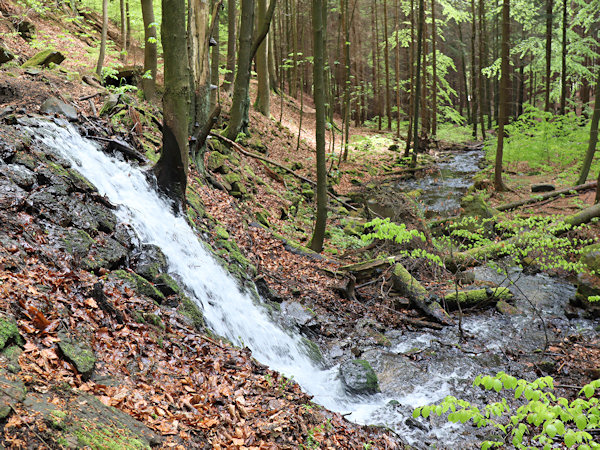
x=542 y=187
x=53 y=105
x=358 y=377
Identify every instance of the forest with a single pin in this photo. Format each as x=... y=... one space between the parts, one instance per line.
x=306 y=224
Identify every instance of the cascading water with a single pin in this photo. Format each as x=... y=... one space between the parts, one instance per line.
x=228 y=311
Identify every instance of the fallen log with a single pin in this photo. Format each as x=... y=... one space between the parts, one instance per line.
x=476 y=298
x=584 y=216
x=542 y=197
x=406 y=284
x=245 y=152
x=116 y=144
x=365 y=269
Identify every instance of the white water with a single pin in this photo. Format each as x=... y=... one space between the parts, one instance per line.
x=228 y=311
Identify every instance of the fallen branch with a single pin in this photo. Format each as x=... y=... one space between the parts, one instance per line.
x=549 y=195
x=120 y=146
x=245 y=152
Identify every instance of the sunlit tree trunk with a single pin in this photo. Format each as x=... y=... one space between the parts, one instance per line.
x=123 y=14
x=474 y=99
x=411 y=64
x=215 y=59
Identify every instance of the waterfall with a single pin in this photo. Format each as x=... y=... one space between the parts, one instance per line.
x=228 y=311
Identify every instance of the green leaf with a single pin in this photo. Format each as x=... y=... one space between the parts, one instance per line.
x=580 y=421
x=551 y=431
x=497 y=385
x=570 y=438
x=588 y=390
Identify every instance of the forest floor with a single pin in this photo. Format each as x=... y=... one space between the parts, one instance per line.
x=184 y=388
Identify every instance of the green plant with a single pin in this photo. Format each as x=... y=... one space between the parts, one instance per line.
x=538 y=423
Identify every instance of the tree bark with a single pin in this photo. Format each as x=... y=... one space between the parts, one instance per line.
x=589 y=155
x=231 y=37
x=318 y=17
x=563 y=89
x=123 y=30
x=171 y=168
x=474 y=98
x=434 y=71
x=504 y=94
x=214 y=59
x=262 y=103
x=150 y=51
x=103 y=38
x=549 y=16
x=420 y=22
x=386 y=55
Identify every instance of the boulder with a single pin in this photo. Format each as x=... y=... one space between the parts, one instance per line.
x=77 y=353
x=111 y=101
x=20 y=175
x=588 y=285
x=105 y=253
x=543 y=187
x=358 y=377
x=474 y=205
x=13 y=391
x=44 y=59
x=11 y=195
x=53 y=106
x=9 y=332
x=216 y=162
x=149 y=262
x=139 y=284
x=5 y=55
x=296 y=315
x=590 y=256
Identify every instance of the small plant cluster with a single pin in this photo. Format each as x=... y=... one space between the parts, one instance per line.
x=542 y=422
x=385 y=229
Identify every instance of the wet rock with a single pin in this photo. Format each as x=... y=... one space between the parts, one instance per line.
x=9 y=332
x=588 y=286
x=46 y=204
x=7 y=151
x=313 y=351
x=75 y=242
x=105 y=253
x=149 y=261
x=125 y=235
x=167 y=285
x=296 y=315
x=11 y=358
x=109 y=104
x=82 y=217
x=474 y=205
x=53 y=106
x=5 y=55
x=44 y=59
x=77 y=353
x=507 y=309
x=139 y=284
x=542 y=187
x=12 y=392
x=20 y=175
x=11 y=195
x=191 y=313
x=358 y=377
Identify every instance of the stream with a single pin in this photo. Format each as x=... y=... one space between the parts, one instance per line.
x=418 y=367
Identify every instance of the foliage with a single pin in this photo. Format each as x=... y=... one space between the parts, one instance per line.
x=538 y=423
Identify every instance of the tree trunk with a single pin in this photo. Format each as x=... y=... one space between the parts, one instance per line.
x=563 y=88
x=171 y=168
x=241 y=101
x=386 y=55
x=123 y=17
x=397 y=74
x=504 y=94
x=150 y=51
x=434 y=71
x=214 y=60
x=589 y=155
x=411 y=65
x=231 y=36
x=273 y=81
x=319 y=15
x=480 y=72
x=103 y=38
x=262 y=103
x=474 y=98
x=416 y=143
x=549 y=17
x=346 y=78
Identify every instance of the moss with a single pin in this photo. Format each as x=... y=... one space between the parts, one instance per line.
x=9 y=331
x=313 y=351
x=192 y=311
x=232 y=178
x=167 y=285
x=105 y=437
x=154 y=319
x=77 y=242
x=79 y=354
x=221 y=232
x=141 y=285
x=195 y=203
x=12 y=354
x=507 y=309
x=44 y=58
x=262 y=217
x=57 y=419
x=216 y=161
x=477 y=297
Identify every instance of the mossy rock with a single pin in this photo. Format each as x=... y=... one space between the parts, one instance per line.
x=9 y=331
x=507 y=309
x=358 y=377
x=474 y=205
x=588 y=285
x=138 y=283
x=77 y=353
x=189 y=309
x=312 y=349
x=109 y=254
x=76 y=242
x=221 y=233
x=476 y=297
x=167 y=285
x=44 y=59
x=195 y=203
x=153 y=319
x=590 y=256
x=13 y=391
x=216 y=162
x=11 y=354
x=308 y=193
x=263 y=218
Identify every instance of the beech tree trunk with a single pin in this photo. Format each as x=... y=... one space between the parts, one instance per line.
x=589 y=155
x=262 y=103
x=420 y=22
x=103 y=38
x=150 y=51
x=231 y=37
x=504 y=94
x=319 y=17
x=172 y=166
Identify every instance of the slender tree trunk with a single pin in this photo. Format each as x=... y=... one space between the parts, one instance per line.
x=380 y=97
x=150 y=51
x=416 y=143
x=504 y=94
x=412 y=79
x=487 y=84
x=397 y=68
x=241 y=102
x=318 y=17
x=434 y=71
x=549 y=16
x=463 y=65
x=346 y=78
x=273 y=80
x=127 y=13
x=123 y=30
x=563 y=89
x=214 y=61
x=386 y=55
x=231 y=37
x=589 y=155
x=262 y=103
x=103 y=38
x=474 y=98
x=480 y=72
x=172 y=166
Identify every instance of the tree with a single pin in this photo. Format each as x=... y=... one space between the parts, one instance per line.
x=549 y=16
x=417 y=87
x=563 y=83
x=262 y=103
x=319 y=19
x=172 y=166
x=150 y=50
x=103 y=38
x=504 y=94
x=231 y=26
x=589 y=155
